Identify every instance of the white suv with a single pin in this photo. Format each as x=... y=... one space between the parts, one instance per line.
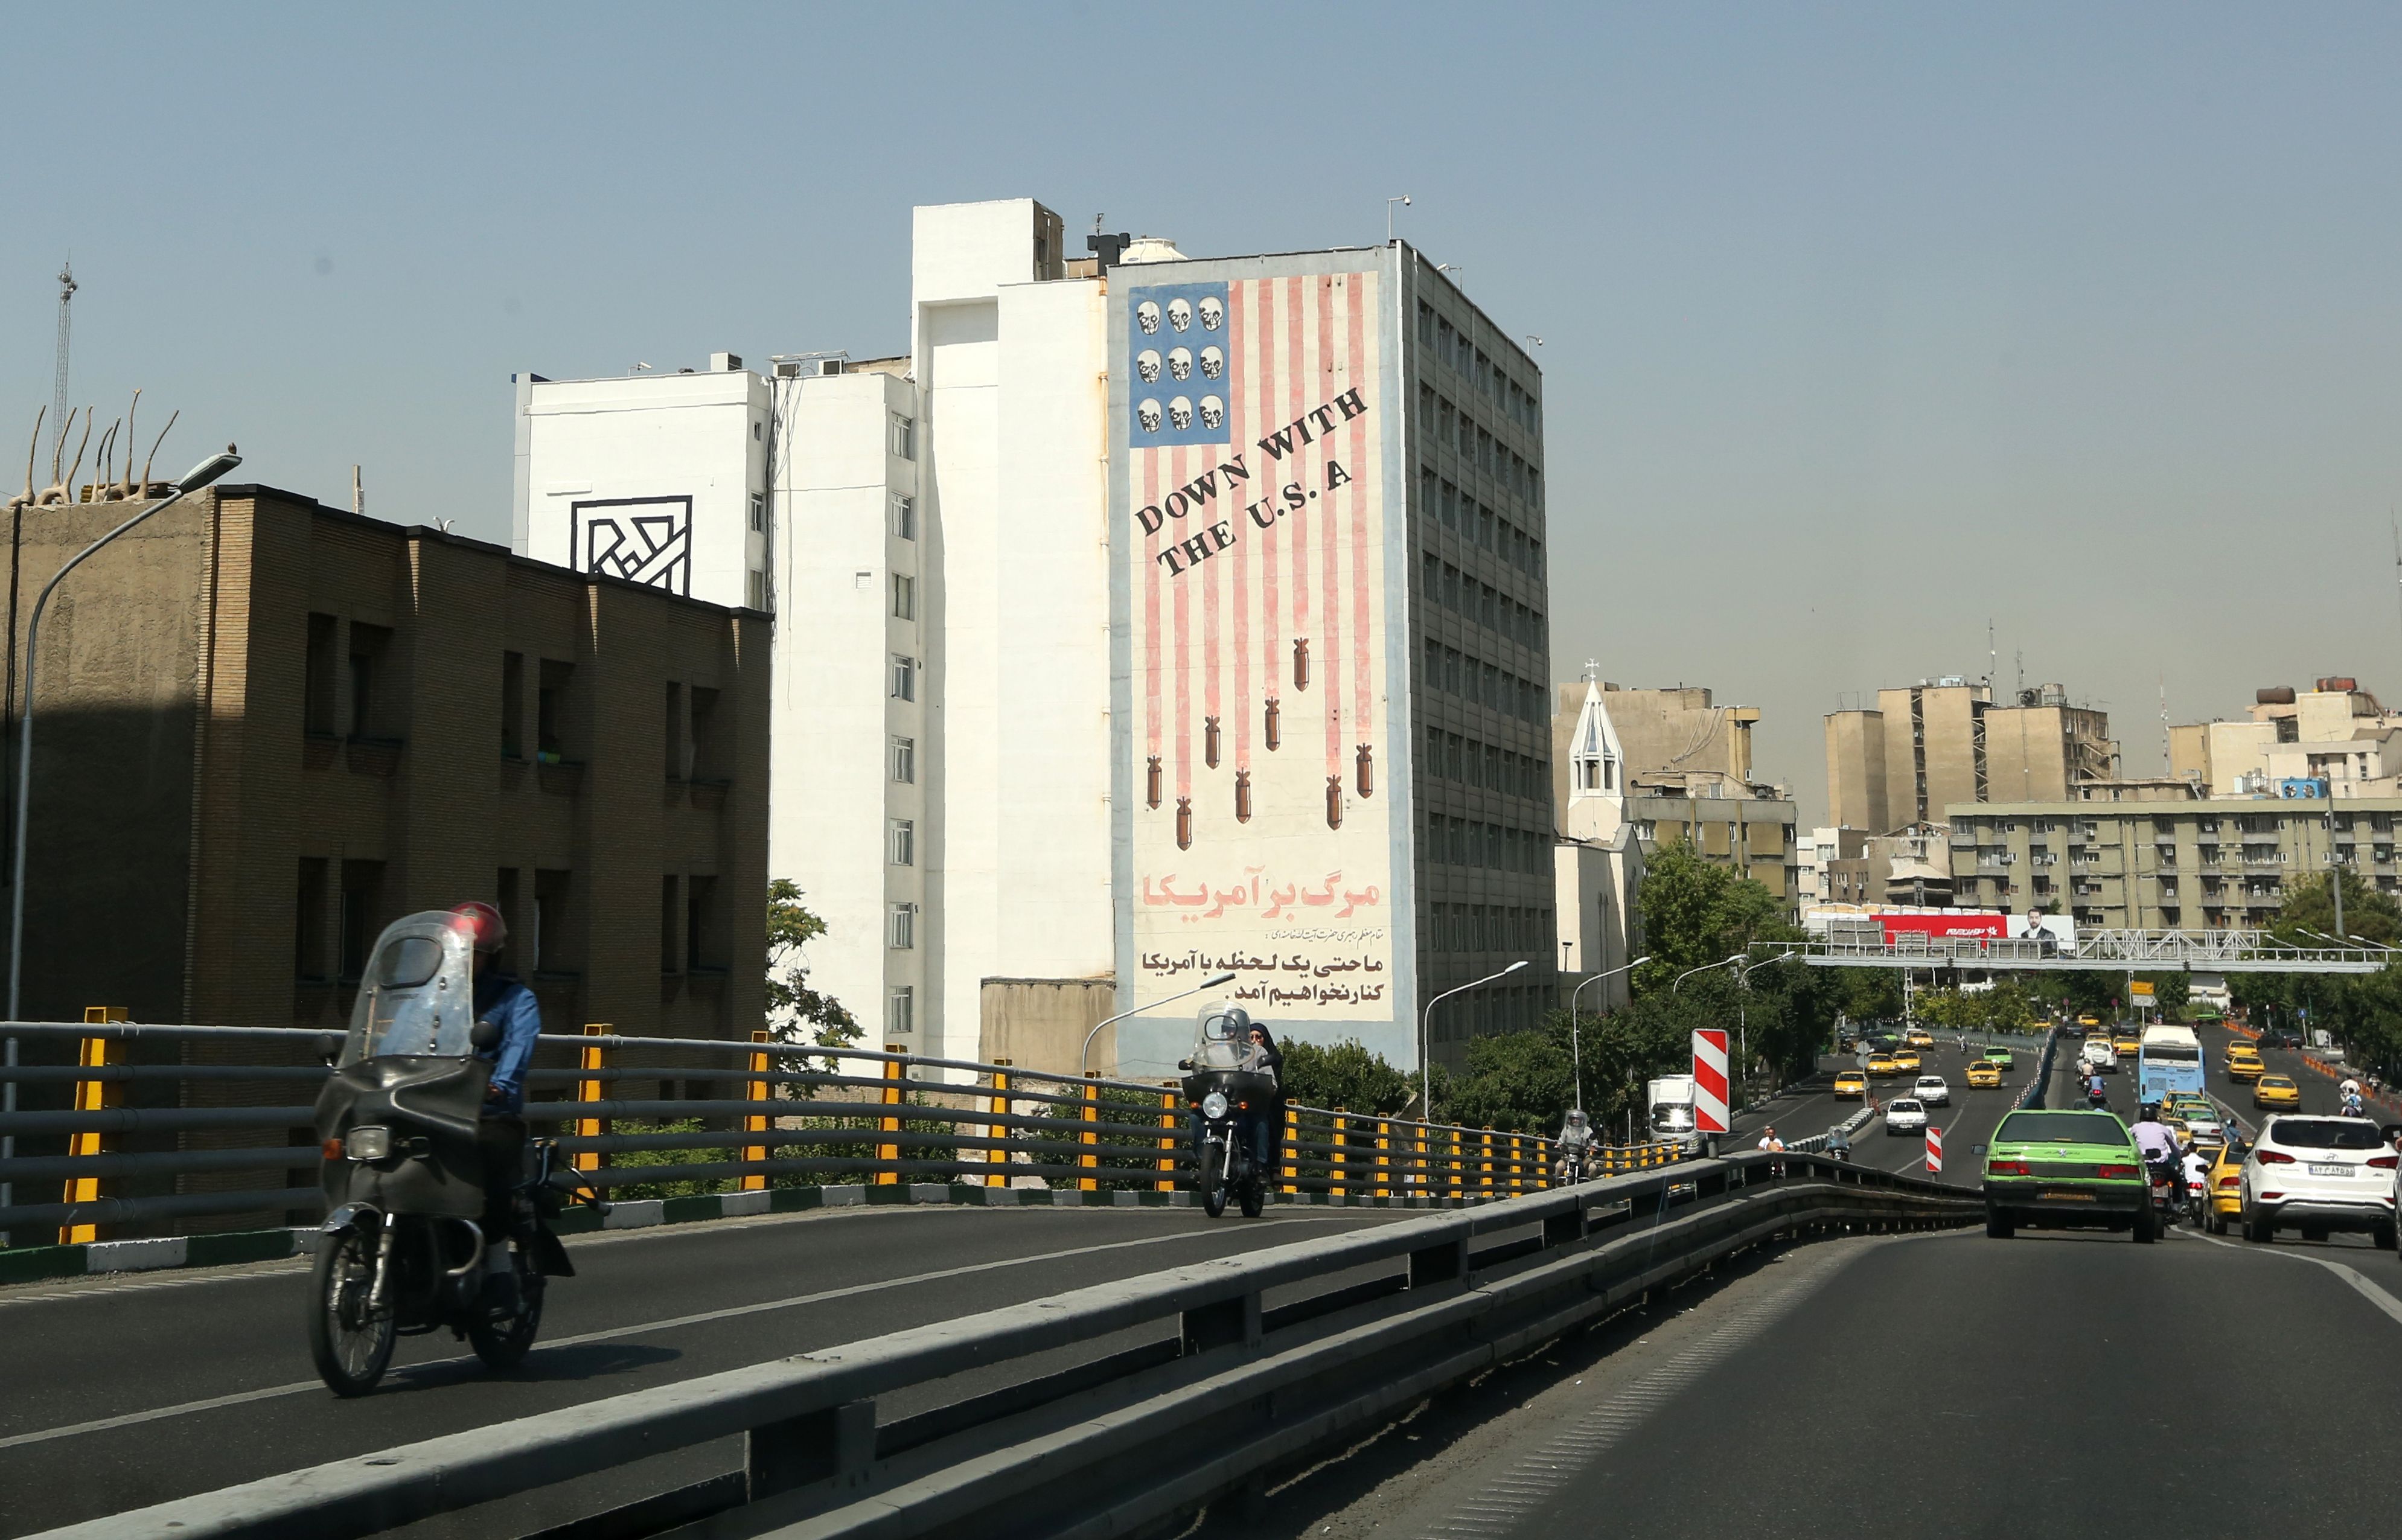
x=1905 y=1115
x=1933 y=1091
x=2318 y=1174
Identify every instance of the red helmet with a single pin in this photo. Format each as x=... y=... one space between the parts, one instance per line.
x=486 y=930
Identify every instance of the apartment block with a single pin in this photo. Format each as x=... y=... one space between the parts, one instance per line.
x=2161 y=862
x=1945 y=741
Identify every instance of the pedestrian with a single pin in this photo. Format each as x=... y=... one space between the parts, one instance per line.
x=1770 y=1144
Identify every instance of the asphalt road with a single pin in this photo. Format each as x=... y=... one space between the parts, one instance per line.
x=1810 y=1107
x=126 y=1391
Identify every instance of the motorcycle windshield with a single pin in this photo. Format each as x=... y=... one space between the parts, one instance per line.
x=1220 y=1041
x=419 y=994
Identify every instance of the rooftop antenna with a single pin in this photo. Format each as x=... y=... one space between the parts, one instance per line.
x=2397 y=547
x=2165 y=757
x=2018 y=656
x=1992 y=659
x=59 y=395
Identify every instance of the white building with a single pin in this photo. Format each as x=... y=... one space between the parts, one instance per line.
x=1597 y=864
x=950 y=540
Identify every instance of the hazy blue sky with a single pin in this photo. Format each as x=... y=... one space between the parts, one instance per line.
x=1862 y=323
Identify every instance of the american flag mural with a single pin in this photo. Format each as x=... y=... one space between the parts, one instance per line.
x=1254 y=567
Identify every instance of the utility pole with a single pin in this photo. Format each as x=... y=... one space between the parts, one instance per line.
x=66 y=317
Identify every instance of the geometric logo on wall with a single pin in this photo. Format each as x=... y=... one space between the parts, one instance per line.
x=646 y=539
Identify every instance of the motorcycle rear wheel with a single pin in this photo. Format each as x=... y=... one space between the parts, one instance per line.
x=350 y=1347
x=1255 y=1199
x=503 y=1343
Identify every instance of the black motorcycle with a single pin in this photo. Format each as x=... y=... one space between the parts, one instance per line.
x=404 y=1248
x=1224 y=1100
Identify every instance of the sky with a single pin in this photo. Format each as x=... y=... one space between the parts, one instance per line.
x=1864 y=327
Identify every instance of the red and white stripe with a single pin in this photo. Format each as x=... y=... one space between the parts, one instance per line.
x=1710 y=1080
x=1934 y=1147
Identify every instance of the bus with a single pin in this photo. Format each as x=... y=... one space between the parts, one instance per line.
x=2169 y=1062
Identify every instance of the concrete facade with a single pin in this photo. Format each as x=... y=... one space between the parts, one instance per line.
x=1940 y=742
x=1858 y=796
x=2216 y=864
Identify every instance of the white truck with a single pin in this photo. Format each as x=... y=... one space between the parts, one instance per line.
x=1671 y=1099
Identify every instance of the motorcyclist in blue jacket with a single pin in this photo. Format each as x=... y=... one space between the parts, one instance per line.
x=501 y=999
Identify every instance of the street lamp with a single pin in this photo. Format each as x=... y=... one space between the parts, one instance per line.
x=1212 y=982
x=1426 y=1037
x=1575 y=1050
x=193 y=480
x=1743 y=965
x=1404 y=201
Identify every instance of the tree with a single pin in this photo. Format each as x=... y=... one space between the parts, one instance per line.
x=1344 y=1074
x=1696 y=913
x=795 y=1012
x=1516 y=1082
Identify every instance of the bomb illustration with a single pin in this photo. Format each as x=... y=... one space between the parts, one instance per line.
x=1301 y=663
x=1184 y=823
x=1333 y=802
x=1269 y=728
x=1242 y=796
x=1151 y=782
x=1367 y=769
x=1209 y=741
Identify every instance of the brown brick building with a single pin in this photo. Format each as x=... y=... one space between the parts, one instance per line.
x=267 y=728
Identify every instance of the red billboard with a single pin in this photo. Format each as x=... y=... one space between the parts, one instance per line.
x=1962 y=922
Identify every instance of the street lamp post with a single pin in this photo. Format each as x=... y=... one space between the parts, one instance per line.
x=1426 y=1037
x=192 y=481
x=1576 y=1051
x=1085 y=1052
x=1743 y=965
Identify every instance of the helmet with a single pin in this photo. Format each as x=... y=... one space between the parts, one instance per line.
x=486 y=930
x=1576 y=1117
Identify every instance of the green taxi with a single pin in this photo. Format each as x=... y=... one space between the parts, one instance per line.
x=1996 y=1054
x=2066 y=1168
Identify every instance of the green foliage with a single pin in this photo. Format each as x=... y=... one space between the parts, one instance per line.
x=2004 y=1008
x=682 y=1187
x=796 y=1012
x=2364 y=1012
x=1696 y=913
x=1516 y=1082
x=1344 y=1074
x=1867 y=993
x=2172 y=993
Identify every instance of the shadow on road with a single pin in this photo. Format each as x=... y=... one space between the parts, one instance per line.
x=544 y=1366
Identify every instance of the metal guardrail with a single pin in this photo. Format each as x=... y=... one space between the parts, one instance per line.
x=791 y=1115
x=1236 y=1368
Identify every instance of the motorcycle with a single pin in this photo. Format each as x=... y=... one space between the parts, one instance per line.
x=1577 y=1163
x=1839 y=1145
x=2097 y=1096
x=403 y=1249
x=2197 y=1200
x=1224 y=1098
x=2168 y=1192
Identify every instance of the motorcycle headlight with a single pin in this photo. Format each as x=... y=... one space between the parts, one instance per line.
x=1213 y=1105
x=368 y=1144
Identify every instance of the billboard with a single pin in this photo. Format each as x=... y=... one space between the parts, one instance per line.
x=1255 y=522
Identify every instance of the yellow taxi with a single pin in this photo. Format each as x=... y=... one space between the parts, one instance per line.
x=1882 y=1067
x=1850 y=1085
x=2089 y=1021
x=1984 y=1073
x=1905 y=1060
x=2243 y=1062
x=2128 y=1046
x=2277 y=1090
x=1918 y=1036
x=2225 y=1189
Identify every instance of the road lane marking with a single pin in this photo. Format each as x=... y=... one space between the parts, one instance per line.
x=131 y=1419
x=2374 y=1295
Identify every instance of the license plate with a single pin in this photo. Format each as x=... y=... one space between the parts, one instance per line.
x=2317 y=1169
x=2068 y=1197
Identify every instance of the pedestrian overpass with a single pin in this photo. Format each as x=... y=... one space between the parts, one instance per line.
x=2110 y=950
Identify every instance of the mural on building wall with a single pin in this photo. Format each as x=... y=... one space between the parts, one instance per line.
x=642 y=540
x=1260 y=833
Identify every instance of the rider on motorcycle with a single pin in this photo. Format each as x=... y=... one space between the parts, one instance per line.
x=2196 y=1179
x=1839 y=1144
x=1267 y=1122
x=1576 y=1142
x=2348 y=1095
x=501 y=999
x=2155 y=1139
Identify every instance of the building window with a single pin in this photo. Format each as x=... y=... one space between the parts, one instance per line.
x=903 y=927
x=905 y=596
x=703 y=946
x=901 y=1013
x=361 y=915
x=905 y=841
x=904 y=516
x=758 y=589
x=670 y=911
x=904 y=678
x=373 y=713
x=758 y=510
x=512 y=705
x=904 y=760
x=900 y=438
x=317 y=687
x=551 y=701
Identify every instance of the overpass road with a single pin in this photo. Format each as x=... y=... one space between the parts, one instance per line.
x=1810 y=1106
x=127 y=1391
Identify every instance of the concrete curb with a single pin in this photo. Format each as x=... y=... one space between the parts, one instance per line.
x=34 y=1264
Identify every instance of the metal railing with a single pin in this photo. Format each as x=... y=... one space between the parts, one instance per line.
x=1177 y=1387
x=2227 y=951
x=770 y=1114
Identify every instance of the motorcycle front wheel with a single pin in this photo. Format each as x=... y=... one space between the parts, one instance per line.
x=350 y=1346
x=1213 y=1181
x=502 y=1342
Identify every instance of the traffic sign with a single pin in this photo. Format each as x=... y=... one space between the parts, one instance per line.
x=1710 y=1080
x=1934 y=1147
